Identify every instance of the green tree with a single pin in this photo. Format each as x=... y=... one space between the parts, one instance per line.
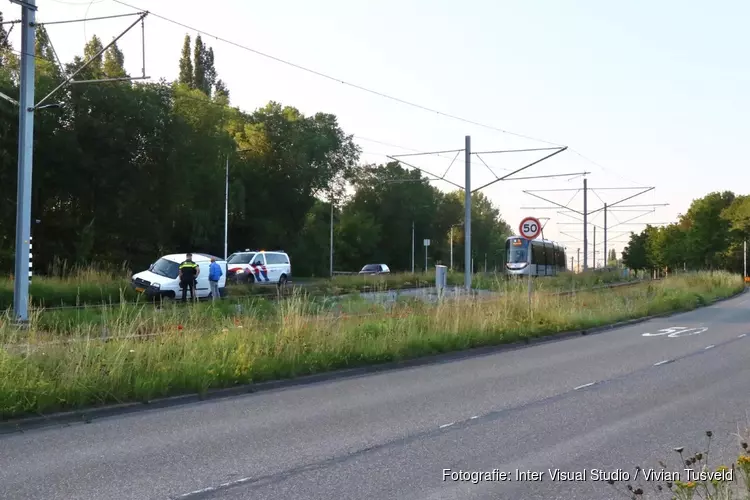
x=199 y=66
x=708 y=233
x=94 y=47
x=114 y=62
x=221 y=92
x=211 y=75
x=612 y=258
x=5 y=46
x=634 y=255
x=186 y=65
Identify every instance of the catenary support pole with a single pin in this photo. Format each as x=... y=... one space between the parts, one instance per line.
x=226 y=212
x=467 y=218
x=578 y=261
x=585 y=227
x=606 y=255
x=25 y=160
x=744 y=259
x=331 y=242
x=593 y=264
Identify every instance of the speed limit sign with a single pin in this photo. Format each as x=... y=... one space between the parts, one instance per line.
x=530 y=228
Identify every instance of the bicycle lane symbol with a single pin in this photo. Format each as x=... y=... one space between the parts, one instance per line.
x=677 y=331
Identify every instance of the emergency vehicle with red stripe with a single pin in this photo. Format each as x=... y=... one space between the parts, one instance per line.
x=259 y=267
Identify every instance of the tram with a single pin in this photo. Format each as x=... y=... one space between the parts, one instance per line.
x=539 y=257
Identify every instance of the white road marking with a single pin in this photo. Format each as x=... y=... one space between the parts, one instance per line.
x=475 y=416
x=584 y=385
x=212 y=489
x=709 y=347
x=743 y=335
x=662 y=362
x=446 y=425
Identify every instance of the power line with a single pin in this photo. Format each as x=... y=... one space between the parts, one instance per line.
x=329 y=77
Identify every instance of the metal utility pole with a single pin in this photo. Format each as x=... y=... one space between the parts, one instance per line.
x=25 y=159
x=744 y=259
x=571 y=263
x=585 y=226
x=467 y=217
x=594 y=260
x=226 y=212
x=578 y=261
x=331 y=243
x=412 y=247
x=606 y=255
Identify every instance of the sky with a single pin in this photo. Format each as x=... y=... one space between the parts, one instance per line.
x=643 y=94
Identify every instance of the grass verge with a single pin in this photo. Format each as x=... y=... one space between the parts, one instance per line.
x=94 y=285
x=191 y=350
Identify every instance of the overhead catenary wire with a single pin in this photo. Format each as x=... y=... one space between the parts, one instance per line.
x=331 y=78
x=335 y=79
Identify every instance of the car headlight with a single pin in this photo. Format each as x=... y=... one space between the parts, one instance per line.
x=240 y=271
x=156 y=285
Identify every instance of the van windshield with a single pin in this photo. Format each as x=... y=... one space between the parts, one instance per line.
x=241 y=258
x=166 y=268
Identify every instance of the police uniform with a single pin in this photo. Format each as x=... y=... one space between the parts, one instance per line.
x=189 y=273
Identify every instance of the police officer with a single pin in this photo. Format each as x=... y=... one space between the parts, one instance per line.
x=189 y=272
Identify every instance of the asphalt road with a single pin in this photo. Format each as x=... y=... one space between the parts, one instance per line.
x=391 y=435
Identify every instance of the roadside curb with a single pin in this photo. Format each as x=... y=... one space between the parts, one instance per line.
x=87 y=415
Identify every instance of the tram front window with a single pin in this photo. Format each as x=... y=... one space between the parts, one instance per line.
x=517 y=256
x=517 y=251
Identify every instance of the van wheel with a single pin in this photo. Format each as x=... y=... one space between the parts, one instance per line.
x=282 y=281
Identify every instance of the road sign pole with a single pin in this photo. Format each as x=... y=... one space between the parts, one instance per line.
x=530 y=228
x=426 y=244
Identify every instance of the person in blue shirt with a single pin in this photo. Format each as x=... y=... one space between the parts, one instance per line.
x=214 y=274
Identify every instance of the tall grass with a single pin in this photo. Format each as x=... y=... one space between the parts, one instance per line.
x=65 y=285
x=195 y=348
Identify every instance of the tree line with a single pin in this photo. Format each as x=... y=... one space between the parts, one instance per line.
x=125 y=172
x=710 y=235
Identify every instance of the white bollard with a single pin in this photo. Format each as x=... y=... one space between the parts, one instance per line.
x=441 y=278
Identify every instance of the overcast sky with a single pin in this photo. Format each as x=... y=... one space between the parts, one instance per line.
x=655 y=93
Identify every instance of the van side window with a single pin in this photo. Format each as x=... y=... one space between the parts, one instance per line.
x=277 y=258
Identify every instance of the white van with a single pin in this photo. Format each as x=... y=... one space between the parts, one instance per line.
x=162 y=278
x=259 y=267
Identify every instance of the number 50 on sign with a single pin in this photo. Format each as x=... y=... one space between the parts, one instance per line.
x=530 y=228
